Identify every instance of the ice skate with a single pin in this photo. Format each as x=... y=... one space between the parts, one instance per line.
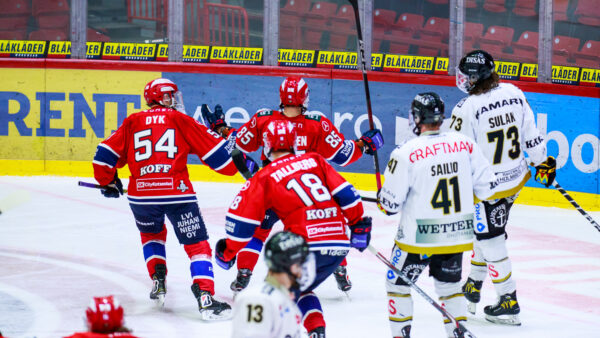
x=472 y=291
x=505 y=312
x=159 y=285
x=209 y=307
x=241 y=281
x=341 y=277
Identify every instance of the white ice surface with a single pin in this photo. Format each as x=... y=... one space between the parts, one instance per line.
x=61 y=244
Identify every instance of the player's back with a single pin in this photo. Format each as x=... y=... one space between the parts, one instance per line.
x=265 y=310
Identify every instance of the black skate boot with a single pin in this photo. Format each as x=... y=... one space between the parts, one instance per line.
x=506 y=311
x=159 y=285
x=210 y=308
x=405 y=332
x=242 y=280
x=341 y=277
x=472 y=291
x=318 y=332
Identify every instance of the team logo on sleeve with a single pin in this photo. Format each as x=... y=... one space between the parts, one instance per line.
x=182 y=187
x=499 y=216
x=325 y=125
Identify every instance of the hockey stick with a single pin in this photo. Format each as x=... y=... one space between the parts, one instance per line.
x=407 y=280
x=577 y=206
x=95 y=186
x=368 y=199
x=361 y=54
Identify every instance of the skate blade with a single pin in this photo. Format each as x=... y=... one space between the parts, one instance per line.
x=504 y=319
x=209 y=315
x=159 y=301
x=347 y=293
x=471 y=307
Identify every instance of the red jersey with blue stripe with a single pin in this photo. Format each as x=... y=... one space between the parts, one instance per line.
x=309 y=196
x=314 y=133
x=155 y=144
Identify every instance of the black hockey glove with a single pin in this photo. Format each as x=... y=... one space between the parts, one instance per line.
x=546 y=171
x=220 y=255
x=114 y=189
x=244 y=164
x=361 y=234
x=215 y=120
x=373 y=140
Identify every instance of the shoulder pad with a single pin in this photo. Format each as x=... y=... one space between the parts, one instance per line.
x=264 y=113
x=315 y=117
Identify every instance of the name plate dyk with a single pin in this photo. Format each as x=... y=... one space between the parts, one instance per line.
x=129 y=51
x=191 y=53
x=22 y=49
x=337 y=60
x=236 y=55
x=408 y=64
x=62 y=50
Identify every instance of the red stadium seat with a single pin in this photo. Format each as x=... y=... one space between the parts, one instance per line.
x=407 y=26
x=94 y=35
x=383 y=19
x=316 y=23
x=435 y=30
x=560 y=8
x=589 y=55
x=14 y=14
x=51 y=13
x=17 y=34
x=344 y=27
x=562 y=49
x=525 y=8
x=496 y=39
x=291 y=16
x=438 y=2
x=473 y=32
x=495 y=6
x=588 y=12
x=48 y=35
x=526 y=48
x=471 y=3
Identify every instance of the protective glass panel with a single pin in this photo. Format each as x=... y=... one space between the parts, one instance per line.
x=411 y=27
x=576 y=40
x=43 y=20
x=317 y=25
x=507 y=29
x=127 y=21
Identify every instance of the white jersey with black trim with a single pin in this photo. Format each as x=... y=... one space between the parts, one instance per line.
x=266 y=311
x=502 y=123
x=431 y=179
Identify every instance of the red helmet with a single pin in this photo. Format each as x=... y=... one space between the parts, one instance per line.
x=155 y=91
x=104 y=315
x=293 y=92
x=279 y=135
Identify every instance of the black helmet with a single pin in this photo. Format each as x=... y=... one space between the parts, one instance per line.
x=427 y=108
x=285 y=249
x=473 y=68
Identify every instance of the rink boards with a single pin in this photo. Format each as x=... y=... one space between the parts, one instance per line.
x=53 y=113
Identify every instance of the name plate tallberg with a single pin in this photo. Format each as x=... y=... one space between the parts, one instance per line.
x=129 y=51
x=62 y=50
x=377 y=61
x=236 y=55
x=296 y=57
x=441 y=66
x=590 y=77
x=528 y=72
x=408 y=64
x=565 y=75
x=22 y=49
x=508 y=70
x=337 y=60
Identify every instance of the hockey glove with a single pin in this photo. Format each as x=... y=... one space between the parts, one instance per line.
x=114 y=189
x=220 y=255
x=373 y=140
x=361 y=234
x=244 y=164
x=215 y=120
x=546 y=171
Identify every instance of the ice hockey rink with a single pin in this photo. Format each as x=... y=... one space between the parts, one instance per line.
x=61 y=244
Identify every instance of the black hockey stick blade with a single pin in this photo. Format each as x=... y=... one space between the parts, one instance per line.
x=430 y=300
x=368 y=199
x=575 y=204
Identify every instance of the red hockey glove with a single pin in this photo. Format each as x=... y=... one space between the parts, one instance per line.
x=372 y=140
x=220 y=255
x=215 y=120
x=361 y=234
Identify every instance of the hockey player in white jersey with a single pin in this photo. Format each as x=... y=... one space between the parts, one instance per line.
x=267 y=310
x=432 y=180
x=499 y=118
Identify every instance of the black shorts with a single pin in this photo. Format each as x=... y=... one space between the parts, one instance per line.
x=496 y=215
x=444 y=268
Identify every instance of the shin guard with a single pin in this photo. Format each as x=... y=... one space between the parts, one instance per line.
x=201 y=265
x=153 y=246
x=312 y=313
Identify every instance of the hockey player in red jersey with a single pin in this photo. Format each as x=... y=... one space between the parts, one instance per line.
x=312 y=200
x=315 y=133
x=155 y=144
x=104 y=319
